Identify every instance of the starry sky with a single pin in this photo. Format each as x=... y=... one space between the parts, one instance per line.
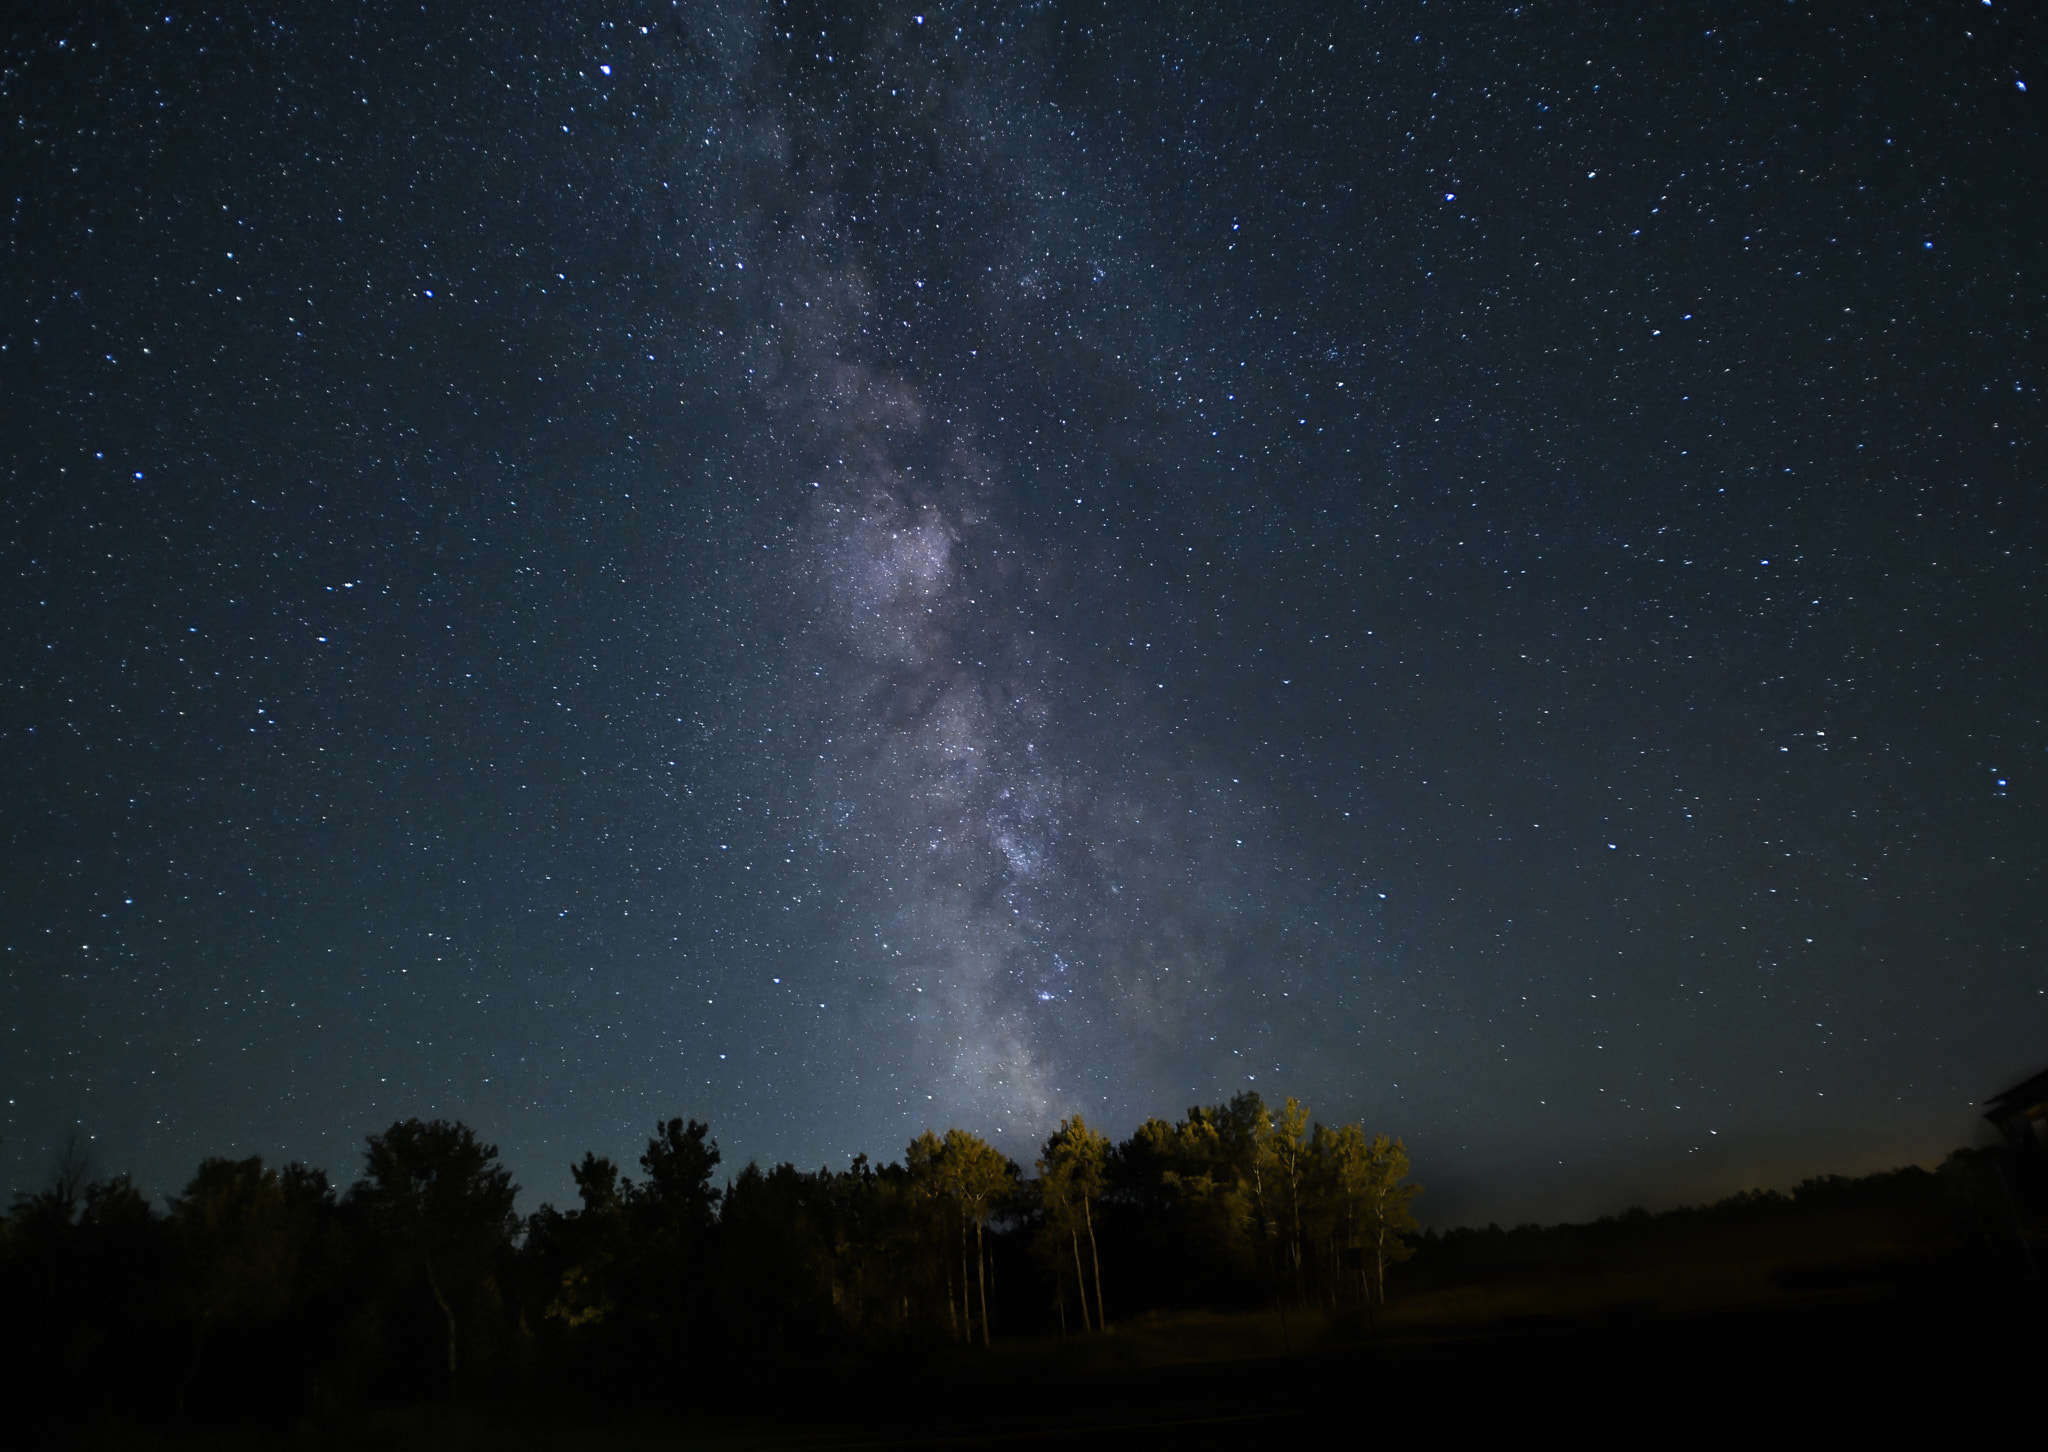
x=841 y=568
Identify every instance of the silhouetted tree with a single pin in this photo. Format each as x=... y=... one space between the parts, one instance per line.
x=237 y=1243
x=677 y=1194
x=663 y=1279
x=86 y=1289
x=936 y=1208
x=578 y=1250
x=439 y=1201
x=241 y=1243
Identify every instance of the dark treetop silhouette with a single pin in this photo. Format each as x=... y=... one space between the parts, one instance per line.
x=280 y=1295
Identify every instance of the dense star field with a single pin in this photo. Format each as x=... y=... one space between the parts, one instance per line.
x=842 y=569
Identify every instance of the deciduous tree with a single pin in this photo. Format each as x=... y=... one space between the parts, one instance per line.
x=1073 y=1173
x=1388 y=1222
x=441 y=1202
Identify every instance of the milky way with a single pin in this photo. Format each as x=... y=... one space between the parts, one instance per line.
x=1022 y=905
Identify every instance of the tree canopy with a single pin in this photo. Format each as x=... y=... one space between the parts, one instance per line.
x=422 y=1278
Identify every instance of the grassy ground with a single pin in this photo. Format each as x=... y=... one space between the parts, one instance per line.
x=1637 y=1351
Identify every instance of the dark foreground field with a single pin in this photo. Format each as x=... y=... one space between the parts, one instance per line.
x=1966 y=1358
x=758 y=1318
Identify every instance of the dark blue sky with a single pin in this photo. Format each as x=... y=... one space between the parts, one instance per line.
x=835 y=570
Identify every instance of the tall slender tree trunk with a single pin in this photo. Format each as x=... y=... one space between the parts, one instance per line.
x=1101 y=1317
x=1351 y=1240
x=966 y=1286
x=981 y=1272
x=1080 y=1278
x=447 y=1311
x=1294 y=1209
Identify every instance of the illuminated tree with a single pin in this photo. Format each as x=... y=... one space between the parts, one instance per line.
x=1072 y=1175
x=983 y=1179
x=961 y=1182
x=1282 y=1156
x=1344 y=1183
x=1387 y=1221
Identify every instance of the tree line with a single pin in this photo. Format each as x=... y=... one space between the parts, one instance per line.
x=264 y=1288
x=1981 y=1212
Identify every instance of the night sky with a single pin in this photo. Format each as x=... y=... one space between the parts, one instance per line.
x=840 y=569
